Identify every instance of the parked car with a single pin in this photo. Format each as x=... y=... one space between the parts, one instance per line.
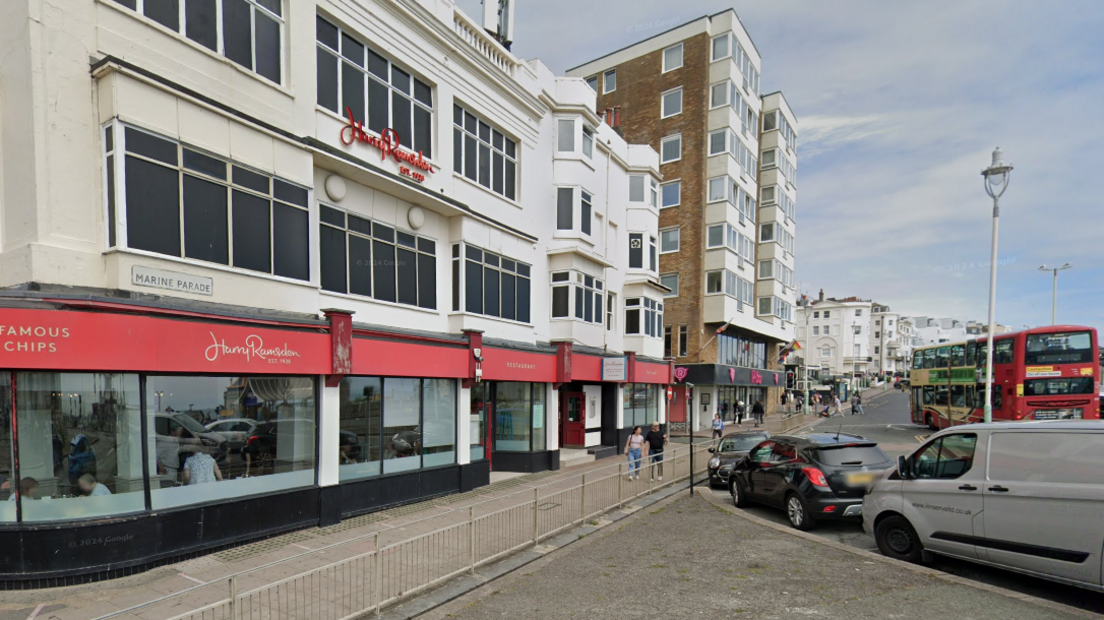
x=178 y=435
x=731 y=449
x=813 y=476
x=1024 y=496
x=236 y=431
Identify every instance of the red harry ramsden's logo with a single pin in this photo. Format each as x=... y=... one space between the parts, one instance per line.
x=388 y=143
x=254 y=347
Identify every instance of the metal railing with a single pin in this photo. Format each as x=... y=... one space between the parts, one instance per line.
x=371 y=580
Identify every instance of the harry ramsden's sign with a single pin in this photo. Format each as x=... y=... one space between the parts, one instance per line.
x=388 y=144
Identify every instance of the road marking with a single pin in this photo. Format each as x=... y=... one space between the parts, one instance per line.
x=922 y=438
x=34 y=614
x=189 y=578
x=301 y=546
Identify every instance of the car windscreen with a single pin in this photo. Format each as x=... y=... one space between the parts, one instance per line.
x=740 y=444
x=189 y=423
x=851 y=455
x=1063 y=348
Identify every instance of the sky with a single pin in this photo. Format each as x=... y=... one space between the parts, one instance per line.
x=900 y=106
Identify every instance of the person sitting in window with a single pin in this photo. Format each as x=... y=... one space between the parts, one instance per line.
x=89 y=487
x=27 y=488
x=200 y=468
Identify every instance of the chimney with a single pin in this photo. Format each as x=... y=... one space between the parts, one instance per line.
x=821 y=295
x=616 y=116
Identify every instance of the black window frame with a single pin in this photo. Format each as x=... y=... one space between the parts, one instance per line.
x=180 y=20
x=402 y=244
x=472 y=136
x=284 y=199
x=381 y=79
x=468 y=260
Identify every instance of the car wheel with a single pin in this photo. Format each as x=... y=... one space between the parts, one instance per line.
x=898 y=540
x=928 y=422
x=739 y=497
x=798 y=514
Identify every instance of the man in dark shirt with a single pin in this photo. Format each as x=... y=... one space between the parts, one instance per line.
x=757 y=412
x=654 y=442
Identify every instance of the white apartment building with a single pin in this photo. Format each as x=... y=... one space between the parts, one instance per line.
x=366 y=235
x=890 y=341
x=835 y=335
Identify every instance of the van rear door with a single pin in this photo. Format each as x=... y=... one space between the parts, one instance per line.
x=1044 y=502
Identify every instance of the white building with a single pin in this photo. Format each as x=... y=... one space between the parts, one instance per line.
x=835 y=335
x=195 y=197
x=890 y=340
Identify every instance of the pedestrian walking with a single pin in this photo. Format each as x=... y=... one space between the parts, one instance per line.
x=856 y=404
x=785 y=401
x=738 y=412
x=654 y=443
x=633 y=448
x=837 y=406
x=757 y=412
x=718 y=426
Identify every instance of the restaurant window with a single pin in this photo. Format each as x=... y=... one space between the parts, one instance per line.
x=270 y=445
x=493 y=285
x=641 y=404
x=251 y=30
x=182 y=202
x=483 y=154
x=353 y=78
x=519 y=410
x=9 y=485
x=418 y=421
x=79 y=447
x=364 y=257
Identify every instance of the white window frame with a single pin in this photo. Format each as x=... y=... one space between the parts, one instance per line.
x=606 y=81
x=674 y=289
x=774 y=156
x=678 y=239
x=678 y=201
x=662 y=143
x=560 y=133
x=588 y=141
x=713 y=50
x=768 y=272
x=663 y=112
x=593 y=86
x=682 y=58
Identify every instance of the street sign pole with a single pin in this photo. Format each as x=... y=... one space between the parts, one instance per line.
x=690 y=426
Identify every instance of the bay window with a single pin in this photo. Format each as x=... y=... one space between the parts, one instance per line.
x=587 y=292
x=725 y=282
x=182 y=202
x=636 y=251
x=354 y=79
x=643 y=316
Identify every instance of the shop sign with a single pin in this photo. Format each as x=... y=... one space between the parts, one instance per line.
x=171 y=280
x=615 y=369
x=388 y=143
x=756 y=377
x=681 y=372
x=732 y=375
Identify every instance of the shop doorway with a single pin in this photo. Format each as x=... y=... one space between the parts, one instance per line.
x=573 y=422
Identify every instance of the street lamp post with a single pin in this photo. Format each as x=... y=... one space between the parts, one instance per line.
x=997 y=176
x=1054 y=295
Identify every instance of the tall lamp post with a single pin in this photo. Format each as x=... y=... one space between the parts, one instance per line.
x=997 y=176
x=1054 y=295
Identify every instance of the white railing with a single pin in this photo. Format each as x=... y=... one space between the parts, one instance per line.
x=369 y=581
x=483 y=43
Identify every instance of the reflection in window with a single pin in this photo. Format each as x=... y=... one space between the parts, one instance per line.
x=360 y=433
x=478 y=421
x=189 y=462
x=79 y=445
x=641 y=404
x=9 y=486
x=519 y=410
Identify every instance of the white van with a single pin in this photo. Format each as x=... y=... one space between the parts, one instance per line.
x=1025 y=496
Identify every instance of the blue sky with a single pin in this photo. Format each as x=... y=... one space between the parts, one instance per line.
x=900 y=106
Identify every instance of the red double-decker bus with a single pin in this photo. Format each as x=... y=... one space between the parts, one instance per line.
x=1045 y=373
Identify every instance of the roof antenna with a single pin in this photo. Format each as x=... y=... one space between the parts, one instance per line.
x=839 y=430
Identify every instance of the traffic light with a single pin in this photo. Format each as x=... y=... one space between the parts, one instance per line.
x=790 y=379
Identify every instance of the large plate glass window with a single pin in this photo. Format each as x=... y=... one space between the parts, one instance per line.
x=355 y=79
x=268 y=445
x=79 y=446
x=520 y=417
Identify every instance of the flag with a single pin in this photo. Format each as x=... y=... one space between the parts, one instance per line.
x=790 y=348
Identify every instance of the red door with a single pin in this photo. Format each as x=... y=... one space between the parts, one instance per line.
x=573 y=421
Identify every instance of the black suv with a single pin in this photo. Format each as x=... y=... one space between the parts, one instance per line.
x=811 y=476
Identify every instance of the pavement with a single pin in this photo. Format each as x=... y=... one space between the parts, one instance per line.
x=696 y=558
x=279 y=557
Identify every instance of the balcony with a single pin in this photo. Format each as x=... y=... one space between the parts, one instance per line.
x=484 y=44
